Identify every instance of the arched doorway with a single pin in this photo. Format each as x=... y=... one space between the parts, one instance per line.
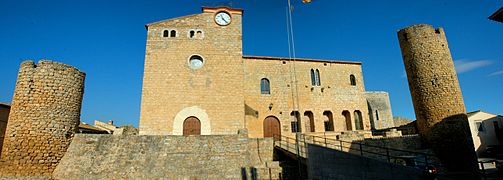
x=272 y=127
x=191 y=126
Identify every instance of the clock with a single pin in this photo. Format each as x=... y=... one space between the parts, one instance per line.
x=223 y=18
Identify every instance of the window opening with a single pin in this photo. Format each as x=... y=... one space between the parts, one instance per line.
x=352 y=80
x=318 y=81
x=173 y=33
x=295 y=115
x=313 y=79
x=165 y=33
x=191 y=34
x=265 y=86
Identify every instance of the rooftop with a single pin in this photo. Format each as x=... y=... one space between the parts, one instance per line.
x=300 y=59
x=497 y=16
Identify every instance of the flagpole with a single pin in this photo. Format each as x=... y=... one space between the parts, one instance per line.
x=296 y=99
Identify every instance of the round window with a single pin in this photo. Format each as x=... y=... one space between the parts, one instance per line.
x=196 y=62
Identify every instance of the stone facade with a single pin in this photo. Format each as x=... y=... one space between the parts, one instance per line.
x=173 y=91
x=326 y=101
x=379 y=107
x=174 y=157
x=4 y=116
x=225 y=94
x=44 y=116
x=436 y=95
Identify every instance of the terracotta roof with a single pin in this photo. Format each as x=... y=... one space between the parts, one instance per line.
x=497 y=16
x=300 y=59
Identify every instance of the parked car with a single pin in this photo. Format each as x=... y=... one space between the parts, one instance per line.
x=429 y=168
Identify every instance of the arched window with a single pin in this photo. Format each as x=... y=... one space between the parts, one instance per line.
x=173 y=33
x=318 y=81
x=352 y=80
x=313 y=78
x=265 y=86
x=165 y=33
x=358 y=120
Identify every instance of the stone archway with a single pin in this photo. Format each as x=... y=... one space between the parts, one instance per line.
x=193 y=111
x=272 y=127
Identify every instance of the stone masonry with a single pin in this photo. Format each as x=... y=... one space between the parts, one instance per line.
x=174 y=157
x=380 y=113
x=327 y=101
x=436 y=95
x=173 y=91
x=4 y=116
x=225 y=93
x=44 y=116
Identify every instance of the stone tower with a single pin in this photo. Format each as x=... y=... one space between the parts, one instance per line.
x=194 y=74
x=44 y=116
x=436 y=95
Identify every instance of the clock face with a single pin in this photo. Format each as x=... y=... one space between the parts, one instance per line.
x=223 y=18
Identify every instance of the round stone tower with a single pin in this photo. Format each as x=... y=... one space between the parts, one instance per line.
x=436 y=95
x=44 y=116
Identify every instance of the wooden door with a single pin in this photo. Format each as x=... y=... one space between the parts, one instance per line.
x=271 y=127
x=191 y=126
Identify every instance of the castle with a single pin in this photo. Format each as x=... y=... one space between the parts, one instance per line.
x=197 y=81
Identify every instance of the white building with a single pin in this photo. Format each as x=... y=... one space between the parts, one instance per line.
x=486 y=129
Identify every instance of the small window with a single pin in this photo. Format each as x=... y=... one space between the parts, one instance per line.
x=165 y=33
x=480 y=126
x=313 y=78
x=196 y=62
x=173 y=33
x=318 y=81
x=191 y=33
x=352 y=80
x=265 y=86
x=377 y=115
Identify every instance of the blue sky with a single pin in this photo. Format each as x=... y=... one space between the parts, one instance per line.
x=106 y=39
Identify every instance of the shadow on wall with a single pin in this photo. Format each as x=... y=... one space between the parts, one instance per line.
x=451 y=141
x=250 y=111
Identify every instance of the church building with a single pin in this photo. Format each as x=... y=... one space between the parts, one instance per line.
x=198 y=82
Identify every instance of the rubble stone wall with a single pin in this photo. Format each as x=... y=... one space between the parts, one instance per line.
x=436 y=95
x=44 y=116
x=168 y=156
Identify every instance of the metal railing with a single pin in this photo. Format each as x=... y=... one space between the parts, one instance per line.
x=391 y=155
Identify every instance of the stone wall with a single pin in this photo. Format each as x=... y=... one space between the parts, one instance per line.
x=4 y=116
x=436 y=95
x=173 y=157
x=225 y=95
x=173 y=91
x=326 y=163
x=44 y=116
x=334 y=95
x=380 y=113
